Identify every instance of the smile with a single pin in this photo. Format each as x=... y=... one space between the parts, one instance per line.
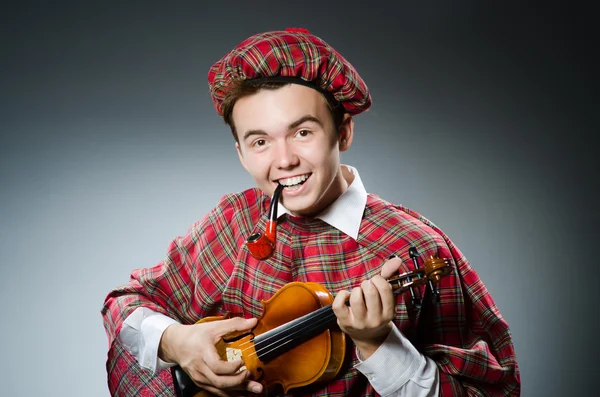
x=294 y=182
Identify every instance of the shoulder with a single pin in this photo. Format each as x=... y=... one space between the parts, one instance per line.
x=404 y=223
x=248 y=201
x=396 y=226
x=236 y=211
x=385 y=211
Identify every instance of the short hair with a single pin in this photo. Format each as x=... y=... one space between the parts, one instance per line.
x=250 y=87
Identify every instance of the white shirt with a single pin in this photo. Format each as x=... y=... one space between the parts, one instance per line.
x=396 y=368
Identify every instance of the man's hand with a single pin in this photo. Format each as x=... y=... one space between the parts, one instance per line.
x=193 y=348
x=368 y=319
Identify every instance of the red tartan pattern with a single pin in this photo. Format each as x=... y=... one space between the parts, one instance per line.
x=209 y=272
x=292 y=53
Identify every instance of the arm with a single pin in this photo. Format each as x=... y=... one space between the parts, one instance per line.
x=141 y=334
x=390 y=362
x=397 y=368
x=154 y=290
x=468 y=338
x=184 y=287
x=465 y=334
x=165 y=288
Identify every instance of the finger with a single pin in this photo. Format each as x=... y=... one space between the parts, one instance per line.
x=386 y=294
x=227 y=381
x=254 y=387
x=357 y=304
x=390 y=267
x=220 y=366
x=372 y=300
x=339 y=304
x=231 y=325
x=212 y=359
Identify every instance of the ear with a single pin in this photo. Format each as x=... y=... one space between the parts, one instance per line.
x=346 y=132
x=240 y=155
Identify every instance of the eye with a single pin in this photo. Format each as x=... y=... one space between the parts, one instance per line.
x=259 y=143
x=303 y=133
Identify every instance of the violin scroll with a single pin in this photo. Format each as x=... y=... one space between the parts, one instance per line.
x=432 y=271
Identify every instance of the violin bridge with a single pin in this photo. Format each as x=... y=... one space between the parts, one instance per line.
x=233 y=355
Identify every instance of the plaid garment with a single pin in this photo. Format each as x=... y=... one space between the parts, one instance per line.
x=291 y=53
x=209 y=271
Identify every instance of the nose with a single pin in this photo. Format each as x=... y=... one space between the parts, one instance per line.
x=285 y=156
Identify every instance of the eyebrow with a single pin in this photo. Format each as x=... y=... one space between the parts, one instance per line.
x=294 y=124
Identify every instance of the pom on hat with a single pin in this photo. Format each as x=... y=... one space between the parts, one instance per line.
x=289 y=54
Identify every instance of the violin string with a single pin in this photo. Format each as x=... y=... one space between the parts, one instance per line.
x=297 y=328
x=278 y=345
x=310 y=318
x=324 y=312
x=322 y=317
x=290 y=336
x=303 y=319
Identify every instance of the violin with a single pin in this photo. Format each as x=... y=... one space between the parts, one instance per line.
x=296 y=341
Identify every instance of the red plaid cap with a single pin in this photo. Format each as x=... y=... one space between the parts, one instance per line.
x=293 y=53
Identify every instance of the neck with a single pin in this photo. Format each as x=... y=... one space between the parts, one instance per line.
x=343 y=178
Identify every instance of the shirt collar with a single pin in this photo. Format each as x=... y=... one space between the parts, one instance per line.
x=345 y=213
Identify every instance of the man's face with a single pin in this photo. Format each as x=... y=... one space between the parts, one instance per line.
x=287 y=136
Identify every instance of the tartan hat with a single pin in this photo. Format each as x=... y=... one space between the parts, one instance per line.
x=293 y=55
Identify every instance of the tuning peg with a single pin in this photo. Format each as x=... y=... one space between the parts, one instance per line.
x=435 y=291
x=415 y=294
x=414 y=254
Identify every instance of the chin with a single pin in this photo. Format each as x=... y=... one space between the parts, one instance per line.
x=301 y=207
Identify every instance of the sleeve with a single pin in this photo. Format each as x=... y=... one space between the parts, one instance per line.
x=466 y=335
x=141 y=334
x=186 y=286
x=398 y=369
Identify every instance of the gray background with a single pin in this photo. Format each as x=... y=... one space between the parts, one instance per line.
x=110 y=147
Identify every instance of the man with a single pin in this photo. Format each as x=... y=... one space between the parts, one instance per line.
x=289 y=99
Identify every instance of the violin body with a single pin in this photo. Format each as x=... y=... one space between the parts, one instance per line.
x=317 y=359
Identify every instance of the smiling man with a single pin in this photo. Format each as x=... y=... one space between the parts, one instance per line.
x=287 y=136
x=289 y=99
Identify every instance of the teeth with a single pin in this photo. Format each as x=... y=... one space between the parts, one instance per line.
x=294 y=180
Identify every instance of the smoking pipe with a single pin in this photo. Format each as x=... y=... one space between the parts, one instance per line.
x=262 y=246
